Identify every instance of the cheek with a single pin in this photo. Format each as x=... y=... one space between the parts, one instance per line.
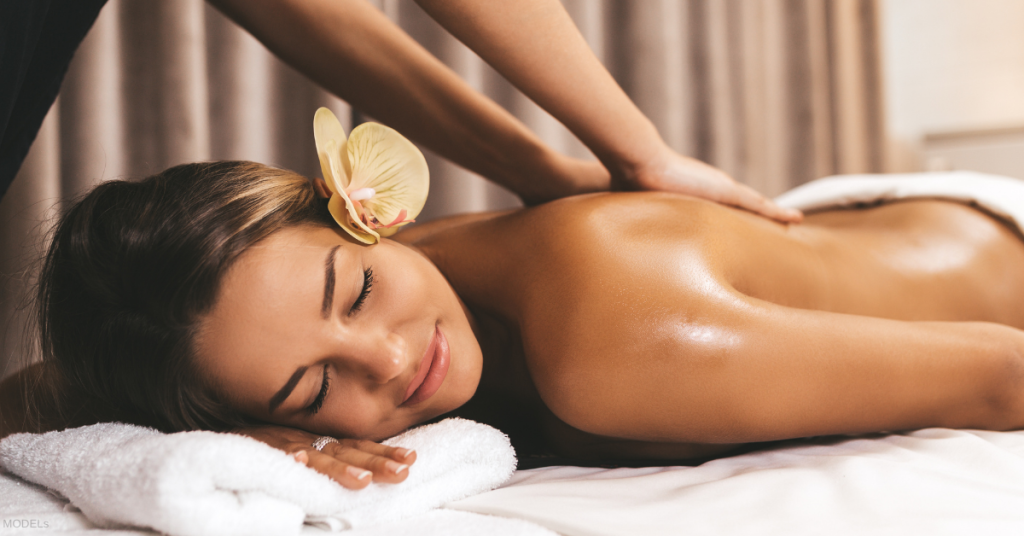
x=414 y=286
x=469 y=367
x=352 y=417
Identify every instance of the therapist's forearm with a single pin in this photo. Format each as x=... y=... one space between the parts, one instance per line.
x=354 y=51
x=536 y=45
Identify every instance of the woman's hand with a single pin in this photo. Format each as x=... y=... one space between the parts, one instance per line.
x=353 y=463
x=672 y=172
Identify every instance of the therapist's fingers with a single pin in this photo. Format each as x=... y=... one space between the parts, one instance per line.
x=707 y=181
x=746 y=197
x=672 y=172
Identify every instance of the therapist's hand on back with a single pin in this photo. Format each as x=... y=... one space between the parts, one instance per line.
x=353 y=463
x=670 y=171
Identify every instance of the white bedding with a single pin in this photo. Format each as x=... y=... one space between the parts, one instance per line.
x=930 y=482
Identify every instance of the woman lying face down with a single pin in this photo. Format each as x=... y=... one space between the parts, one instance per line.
x=605 y=326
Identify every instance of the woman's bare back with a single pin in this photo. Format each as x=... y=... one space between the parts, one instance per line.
x=911 y=260
x=633 y=296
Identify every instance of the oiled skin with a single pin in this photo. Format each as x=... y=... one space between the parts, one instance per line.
x=656 y=325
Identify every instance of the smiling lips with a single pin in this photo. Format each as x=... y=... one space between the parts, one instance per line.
x=432 y=371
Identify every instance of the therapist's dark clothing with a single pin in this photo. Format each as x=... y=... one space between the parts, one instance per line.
x=37 y=41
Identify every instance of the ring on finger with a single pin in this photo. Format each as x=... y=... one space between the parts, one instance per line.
x=322 y=442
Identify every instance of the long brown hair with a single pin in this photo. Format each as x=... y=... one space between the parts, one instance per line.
x=133 y=267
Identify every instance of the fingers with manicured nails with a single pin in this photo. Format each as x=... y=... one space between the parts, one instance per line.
x=369 y=456
x=398 y=454
x=404 y=455
x=348 y=475
x=401 y=455
x=353 y=463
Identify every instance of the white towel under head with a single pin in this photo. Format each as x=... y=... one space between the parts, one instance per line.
x=211 y=484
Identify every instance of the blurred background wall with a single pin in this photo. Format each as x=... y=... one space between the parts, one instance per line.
x=775 y=92
x=954 y=73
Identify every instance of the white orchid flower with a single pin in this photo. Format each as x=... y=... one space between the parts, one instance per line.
x=377 y=178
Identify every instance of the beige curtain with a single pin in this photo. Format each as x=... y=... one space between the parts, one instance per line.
x=776 y=92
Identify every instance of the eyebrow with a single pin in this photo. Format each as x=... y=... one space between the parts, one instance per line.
x=282 y=395
x=325 y=308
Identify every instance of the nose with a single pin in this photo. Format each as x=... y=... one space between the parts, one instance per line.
x=381 y=355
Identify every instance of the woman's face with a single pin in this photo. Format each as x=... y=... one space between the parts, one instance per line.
x=380 y=323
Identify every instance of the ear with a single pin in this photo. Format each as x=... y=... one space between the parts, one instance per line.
x=320 y=186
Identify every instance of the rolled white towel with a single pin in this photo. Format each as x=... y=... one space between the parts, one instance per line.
x=1002 y=196
x=207 y=484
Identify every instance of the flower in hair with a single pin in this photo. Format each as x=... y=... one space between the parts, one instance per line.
x=378 y=180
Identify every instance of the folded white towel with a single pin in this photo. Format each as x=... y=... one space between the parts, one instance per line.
x=207 y=484
x=1002 y=196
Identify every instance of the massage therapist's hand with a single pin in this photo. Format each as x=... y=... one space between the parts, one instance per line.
x=670 y=171
x=353 y=463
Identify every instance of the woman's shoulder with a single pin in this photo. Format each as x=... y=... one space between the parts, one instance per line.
x=420 y=232
x=614 y=229
x=624 y=210
x=573 y=235
x=621 y=211
x=591 y=224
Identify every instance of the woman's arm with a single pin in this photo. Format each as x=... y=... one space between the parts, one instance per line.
x=748 y=370
x=354 y=51
x=536 y=46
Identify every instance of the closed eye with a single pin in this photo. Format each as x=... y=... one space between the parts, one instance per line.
x=367 y=287
x=325 y=385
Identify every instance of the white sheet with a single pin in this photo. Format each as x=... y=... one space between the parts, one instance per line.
x=28 y=509
x=930 y=482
